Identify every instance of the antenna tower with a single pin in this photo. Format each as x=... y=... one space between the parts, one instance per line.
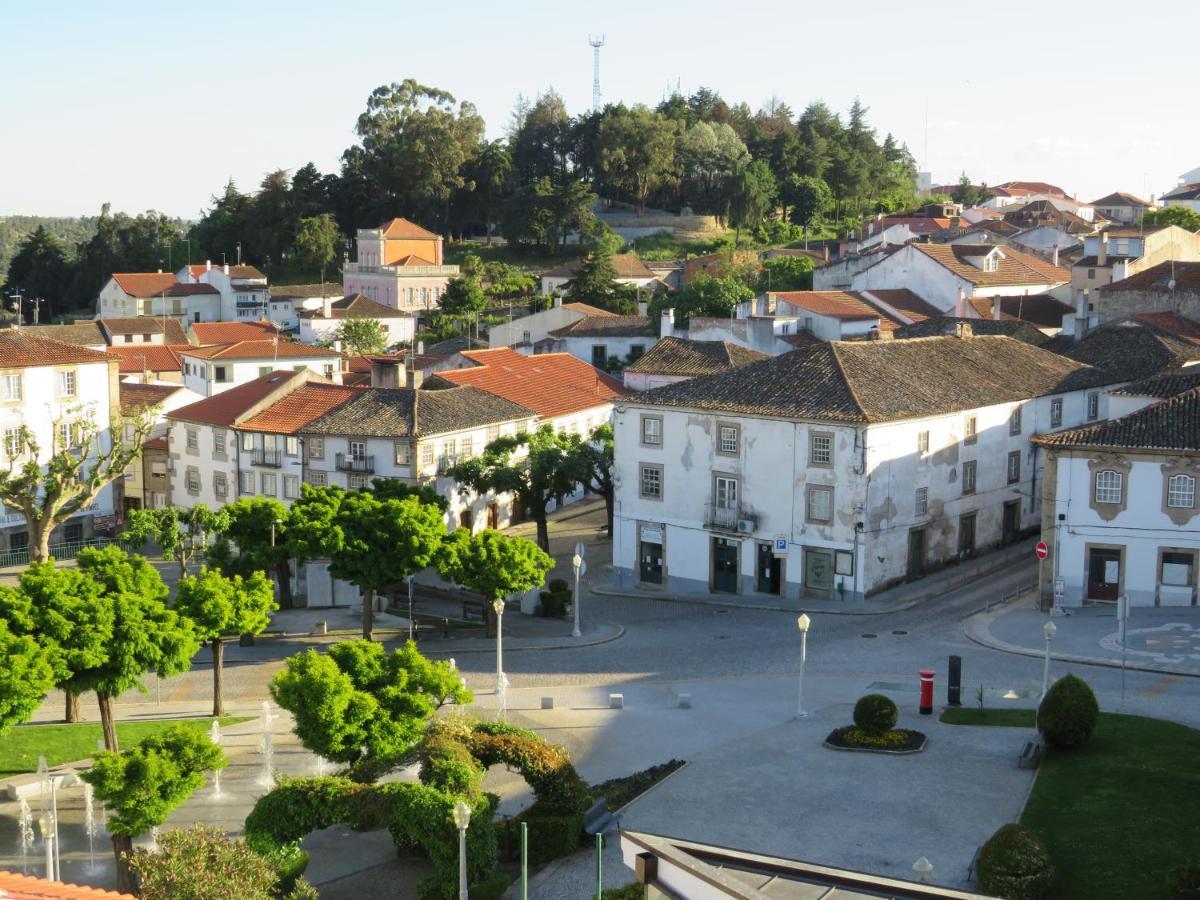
x=596 y=44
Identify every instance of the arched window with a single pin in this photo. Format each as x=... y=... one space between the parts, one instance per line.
x=1181 y=492
x=1108 y=486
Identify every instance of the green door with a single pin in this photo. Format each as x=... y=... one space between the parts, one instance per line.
x=818 y=571
x=724 y=566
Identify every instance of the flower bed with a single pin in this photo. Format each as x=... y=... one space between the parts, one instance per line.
x=896 y=740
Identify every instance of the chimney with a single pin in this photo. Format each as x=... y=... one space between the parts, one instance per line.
x=964 y=331
x=996 y=308
x=826 y=253
x=960 y=305
x=557 y=302
x=208 y=265
x=327 y=307
x=1054 y=259
x=1082 y=314
x=226 y=268
x=642 y=307
x=160 y=271
x=413 y=378
x=666 y=326
x=420 y=348
x=1102 y=253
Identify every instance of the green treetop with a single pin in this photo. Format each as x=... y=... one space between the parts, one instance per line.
x=26 y=674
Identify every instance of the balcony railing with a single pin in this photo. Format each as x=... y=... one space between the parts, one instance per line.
x=727 y=518
x=272 y=458
x=357 y=464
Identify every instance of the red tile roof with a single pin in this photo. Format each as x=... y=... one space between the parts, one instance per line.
x=291 y=413
x=834 y=304
x=1174 y=324
x=159 y=443
x=587 y=309
x=411 y=260
x=21 y=350
x=271 y=349
x=1024 y=188
x=551 y=384
x=1186 y=276
x=626 y=265
x=227 y=332
x=226 y=407
x=149 y=357
x=30 y=887
x=1014 y=267
x=402 y=229
x=355 y=306
x=903 y=301
x=144 y=284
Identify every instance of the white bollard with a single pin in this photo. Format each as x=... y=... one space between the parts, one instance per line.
x=616 y=701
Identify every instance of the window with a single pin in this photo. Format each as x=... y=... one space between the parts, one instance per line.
x=316 y=478
x=427 y=454
x=1093 y=405
x=466 y=447
x=599 y=355
x=968 y=477
x=1108 y=486
x=636 y=351
x=10 y=386
x=966 y=535
x=291 y=487
x=130 y=473
x=1014 y=421
x=819 y=505
x=66 y=383
x=728 y=439
x=246 y=483
x=725 y=490
x=652 y=427
x=1014 y=466
x=220 y=484
x=358 y=482
x=247 y=441
x=291 y=445
x=1091 y=274
x=192 y=478
x=193 y=440
x=923 y=442
x=219 y=373
x=970 y=429
x=1181 y=492
x=268 y=484
x=63 y=432
x=329 y=371
x=12 y=442
x=358 y=450
x=1056 y=412
x=400 y=449
x=493 y=432
x=316 y=448
x=820 y=449
x=921 y=503
x=159 y=469
x=1178 y=568
x=129 y=433
x=219 y=442
x=650 y=479
x=264 y=370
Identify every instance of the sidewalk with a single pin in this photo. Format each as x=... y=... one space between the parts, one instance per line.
x=897 y=599
x=1157 y=639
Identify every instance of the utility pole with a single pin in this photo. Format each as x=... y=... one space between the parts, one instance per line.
x=596 y=44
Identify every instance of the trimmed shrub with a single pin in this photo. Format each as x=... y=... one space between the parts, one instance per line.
x=1068 y=714
x=551 y=835
x=875 y=714
x=449 y=766
x=554 y=606
x=1184 y=882
x=1013 y=864
x=559 y=586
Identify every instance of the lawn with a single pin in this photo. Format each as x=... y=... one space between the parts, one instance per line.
x=1120 y=815
x=1007 y=718
x=20 y=748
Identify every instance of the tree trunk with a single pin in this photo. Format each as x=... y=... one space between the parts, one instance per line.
x=608 y=509
x=283 y=574
x=122 y=850
x=106 y=719
x=72 y=712
x=218 y=654
x=39 y=540
x=543 y=530
x=368 y=613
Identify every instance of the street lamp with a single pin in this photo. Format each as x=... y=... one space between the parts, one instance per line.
x=802 y=622
x=1049 y=630
x=47 y=831
x=411 y=578
x=498 y=608
x=580 y=567
x=462 y=818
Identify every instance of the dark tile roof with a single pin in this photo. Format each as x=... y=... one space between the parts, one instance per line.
x=138 y=396
x=1183 y=192
x=941 y=326
x=1173 y=424
x=881 y=381
x=677 y=356
x=1039 y=310
x=84 y=333
x=626 y=265
x=607 y=326
x=1093 y=262
x=1129 y=348
x=1120 y=198
x=904 y=301
x=1158 y=278
x=403 y=412
x=306 y=291
x=355 y=306
x=170 y=328
x=1163 y=385
x=456 y=345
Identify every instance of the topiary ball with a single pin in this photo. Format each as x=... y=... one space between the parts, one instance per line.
x=875 y=714
x=1014 y=864
x=1068 y=714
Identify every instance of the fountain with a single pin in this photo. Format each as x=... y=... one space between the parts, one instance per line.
x=267 y=718
x=25 y=834
x=214 y=735
x=43 y=774
x=89 y=826
x=267 y=779
x=322 y=765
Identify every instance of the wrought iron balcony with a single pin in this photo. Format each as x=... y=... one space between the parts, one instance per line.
x=271 y=458
x=357 y=464
x=728 y=518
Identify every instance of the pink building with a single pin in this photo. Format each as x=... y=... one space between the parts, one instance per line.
x=399 y=265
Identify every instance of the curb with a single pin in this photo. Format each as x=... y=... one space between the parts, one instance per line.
x=572 y=642
x=979 y=633
x=729 y=604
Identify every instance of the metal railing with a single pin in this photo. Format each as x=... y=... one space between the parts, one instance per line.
x=359 y=464
x=63 y=551
x=724 y=518
x=272 y=458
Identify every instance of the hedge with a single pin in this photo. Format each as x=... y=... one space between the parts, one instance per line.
x=1013 y=864
x=1068 y=713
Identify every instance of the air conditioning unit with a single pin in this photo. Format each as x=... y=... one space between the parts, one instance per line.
x=745 y=526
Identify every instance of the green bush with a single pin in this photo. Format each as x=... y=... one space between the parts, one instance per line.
x=554 y=606
x=551 y=835
x=559 y=586
x=1068 y=714
x=1013 y=864
x=449 y=766
x=875 y=714
x=635 y=890
x=1184 y=882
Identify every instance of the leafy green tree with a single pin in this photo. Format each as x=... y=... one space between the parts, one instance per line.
x=545 y=213
x=317 y=240
x=359 y=695
x=538 y=140
x=596 y=281
x=463 y=297
x=704 y=295
x=546 y=471
x=809 y=198
x=142 y=634
x=636 y=151
x=361 y=336
x=786 y=273
x=395 y=489
x=47 y=488
x=594 y=458
x=26 y=674
x=966 y=193
x=140 y=787
x=490 y=171
x=709 y=155
x=505 y=281
x=221 y=607
x=180 y=533
x=255 y=536
x=493 y=564
x=1173 y=215
x=751 y=197
x=40 y=266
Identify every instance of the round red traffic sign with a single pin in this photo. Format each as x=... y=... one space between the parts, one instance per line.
x=1041 y=550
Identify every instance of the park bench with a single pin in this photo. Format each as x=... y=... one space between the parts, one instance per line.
x=474 y=608
x=1031 y=756
x=598 y=820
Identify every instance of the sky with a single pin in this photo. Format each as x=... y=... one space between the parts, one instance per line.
x=156 y=105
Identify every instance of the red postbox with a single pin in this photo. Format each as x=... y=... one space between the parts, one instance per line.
x=926 y=692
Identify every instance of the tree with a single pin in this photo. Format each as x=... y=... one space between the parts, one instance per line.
x=395 y=489
x=40 y=267
x=704 y=295
x=463 y=297
x=595 y=282
x=219 y=607
x=751 y=196
x=493 y=564
x=1173 y=215
x=636 y=151
x=317 y=240
x=141 y=787
x=545 y=472
x=594 y=458
x=140 y=632
x=966 y=193
x=359 y=695
x=809 y=198
x=48 y=493
x=786 y=273
x=26 y=674
x=546 y=213
x=180 y=533
x=255 y=537
x=361 y=336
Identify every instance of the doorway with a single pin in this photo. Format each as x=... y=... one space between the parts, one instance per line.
x=650 y=562
x=493 y=515
x=966 y=536
x=916 y=553
x=724 y=566
x=1104 y=573
x=768 y=570
x=1011 y=523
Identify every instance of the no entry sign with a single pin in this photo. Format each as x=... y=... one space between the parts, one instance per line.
x=1041 y=550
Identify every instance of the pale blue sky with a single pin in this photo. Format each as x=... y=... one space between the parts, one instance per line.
x=157 y=104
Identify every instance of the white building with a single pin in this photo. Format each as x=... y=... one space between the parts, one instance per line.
x=598 y=339
x=158 y=294
x=528 y=330
x=320 y=325
x=287 y=301
x=841 y=468
x=629 y=270
x=675 y=359
x=243 y=290
x=215 y=368
x=1186 y=195
x=399 y=265
x=1119 y=507
x=50 y=389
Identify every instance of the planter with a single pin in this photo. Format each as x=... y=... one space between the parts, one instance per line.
x=914 y=742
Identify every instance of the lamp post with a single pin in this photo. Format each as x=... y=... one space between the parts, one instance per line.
x=1049 y=630
x=802 y=622
x=462 y=818
x=47 y=831
x=498 y=608
x=580 y=567
x=411 y=579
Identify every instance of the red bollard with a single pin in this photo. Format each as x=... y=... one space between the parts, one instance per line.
x=926 y=692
